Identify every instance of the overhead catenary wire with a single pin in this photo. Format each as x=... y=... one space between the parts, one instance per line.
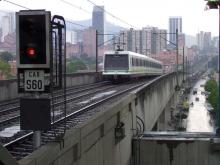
x=77 y=24
x=24 y=7
x=75 y=6
x=80 y=8
x=16 y=4
x=107 y=41
x=107 y=12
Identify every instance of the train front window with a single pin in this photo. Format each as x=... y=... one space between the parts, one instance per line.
x=116 y=62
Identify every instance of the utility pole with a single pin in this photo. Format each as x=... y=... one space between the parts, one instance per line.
x=123 y=34
x=218 y=129
x=186 y=72
x=183 y=66
x=96 y=53
x=177 y=61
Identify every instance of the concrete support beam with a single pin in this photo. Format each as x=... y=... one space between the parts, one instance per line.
x=175 y=148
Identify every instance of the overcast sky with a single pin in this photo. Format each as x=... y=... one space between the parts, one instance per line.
x=139 y=13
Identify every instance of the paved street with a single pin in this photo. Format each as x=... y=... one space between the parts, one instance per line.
x=199 y=119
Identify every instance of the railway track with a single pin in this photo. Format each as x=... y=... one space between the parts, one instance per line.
x=9 y=118
x=77 y=113
x=9 y=114
x=9 y=104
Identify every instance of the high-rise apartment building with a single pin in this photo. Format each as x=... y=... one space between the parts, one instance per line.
x=0 y=34
x=98 y=19
x=175 y=23
x=203 y=40
x=7 y=24
x=149 y=40
x=207 y=41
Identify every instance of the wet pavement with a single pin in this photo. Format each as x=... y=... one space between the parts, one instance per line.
x=199 y=119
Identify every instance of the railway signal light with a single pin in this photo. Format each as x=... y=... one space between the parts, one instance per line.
x=33 y=39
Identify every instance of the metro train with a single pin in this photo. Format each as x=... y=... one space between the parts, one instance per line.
x=119 y=65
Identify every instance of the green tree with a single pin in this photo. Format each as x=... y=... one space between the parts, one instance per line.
x=212 y=87
x=75 y=65
x=6 y=56
x=5 y=69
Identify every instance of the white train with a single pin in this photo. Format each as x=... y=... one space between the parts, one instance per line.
x=125 y=64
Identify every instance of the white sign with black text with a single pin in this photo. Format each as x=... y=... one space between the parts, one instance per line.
x=34 y=80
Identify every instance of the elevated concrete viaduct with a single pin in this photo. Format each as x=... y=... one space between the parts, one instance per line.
x=94 y=142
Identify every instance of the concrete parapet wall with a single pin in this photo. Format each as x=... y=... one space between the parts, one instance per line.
x=93 y=143
x=8 y=88
x=153 y=98
x=165 y=148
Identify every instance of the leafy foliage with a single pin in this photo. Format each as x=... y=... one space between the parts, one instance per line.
x=75 y=65
x=6 y=56
x=212 y=87
x=88 y=62
x=5 y=69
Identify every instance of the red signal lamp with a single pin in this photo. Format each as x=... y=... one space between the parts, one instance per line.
x=31 y=52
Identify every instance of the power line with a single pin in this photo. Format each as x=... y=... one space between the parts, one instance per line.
x=77 y=24
x=66 y=21
x=75 y=6
x=109 y=39
x=111 y=14
x=16 y=4
x=78 y=7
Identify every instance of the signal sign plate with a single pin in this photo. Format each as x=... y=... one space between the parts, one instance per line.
x=34 y=80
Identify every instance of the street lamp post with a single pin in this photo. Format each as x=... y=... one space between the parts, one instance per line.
x=215 y=4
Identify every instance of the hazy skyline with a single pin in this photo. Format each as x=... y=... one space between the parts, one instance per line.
x=138 y=13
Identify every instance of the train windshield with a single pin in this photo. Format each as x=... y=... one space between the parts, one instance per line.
x=116 y=62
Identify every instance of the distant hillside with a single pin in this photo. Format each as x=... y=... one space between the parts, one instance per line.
x=109 y=27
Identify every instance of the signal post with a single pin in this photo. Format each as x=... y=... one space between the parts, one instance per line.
x=36 y=72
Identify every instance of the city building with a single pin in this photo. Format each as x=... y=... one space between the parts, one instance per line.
x=190 y=41
x=98 y=19
x=168 y=59
x=1 y=34
x=175 y=23
x=215 y=42
x=71 y=37
x=149 y=40
x=207 y=41
x=9 y=43
x=89 y=42
x=204 y=40
x=7 y=24
x=73 y=50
